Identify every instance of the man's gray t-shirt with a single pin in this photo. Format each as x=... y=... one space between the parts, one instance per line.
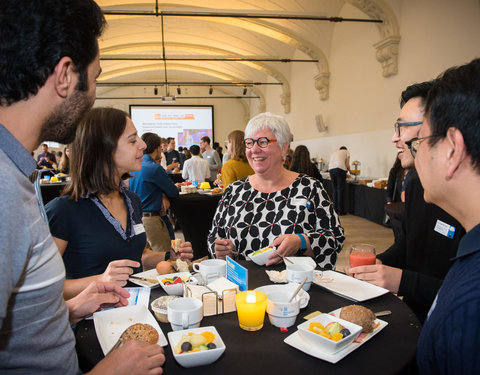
x=213 y=159
x=35 y=334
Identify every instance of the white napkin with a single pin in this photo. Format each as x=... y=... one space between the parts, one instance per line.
x=277 y=276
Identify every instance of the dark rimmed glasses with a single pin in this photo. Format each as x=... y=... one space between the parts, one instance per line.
x=414 y=143
x=398 y=125
x=262 y=142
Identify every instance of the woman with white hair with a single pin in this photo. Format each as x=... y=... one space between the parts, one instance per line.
x=275 y=206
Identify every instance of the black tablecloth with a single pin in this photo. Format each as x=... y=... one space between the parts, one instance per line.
x=391 y=351
x=195 y=213
x=51 y=191
x=361 y=200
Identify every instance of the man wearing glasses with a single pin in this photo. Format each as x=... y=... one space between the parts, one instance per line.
x=415 y=265
x=448 y=162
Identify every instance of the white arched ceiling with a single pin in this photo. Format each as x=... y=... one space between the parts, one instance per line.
x=140 y=36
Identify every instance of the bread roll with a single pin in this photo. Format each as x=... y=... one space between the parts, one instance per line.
x=359 y=315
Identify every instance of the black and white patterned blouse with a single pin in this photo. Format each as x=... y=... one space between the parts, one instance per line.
x=252 y=219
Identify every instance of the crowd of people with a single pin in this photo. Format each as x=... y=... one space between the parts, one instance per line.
x=65 y=261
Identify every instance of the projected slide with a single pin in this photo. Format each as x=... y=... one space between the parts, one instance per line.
x=187 y=124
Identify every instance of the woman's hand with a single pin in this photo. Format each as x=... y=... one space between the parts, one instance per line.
x=185 y=251
x=118 y=271
x=287 y=245
x=223 y=247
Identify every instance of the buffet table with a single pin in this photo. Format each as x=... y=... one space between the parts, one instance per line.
x=195 y=213
x=391 y=351
x=361 y=200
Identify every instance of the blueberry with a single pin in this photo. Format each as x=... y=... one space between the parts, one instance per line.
x=345 y=332
x=211 y=345
x=186 y=346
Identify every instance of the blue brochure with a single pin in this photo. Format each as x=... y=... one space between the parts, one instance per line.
x=237 y=274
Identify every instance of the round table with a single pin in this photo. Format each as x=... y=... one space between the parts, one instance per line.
x=391 y=351
x=195 y=213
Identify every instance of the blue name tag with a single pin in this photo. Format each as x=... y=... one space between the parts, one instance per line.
x=445 y=229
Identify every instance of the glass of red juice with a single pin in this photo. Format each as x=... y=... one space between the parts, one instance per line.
x=362 y=255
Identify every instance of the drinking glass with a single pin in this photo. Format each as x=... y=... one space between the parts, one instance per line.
x=362 y=254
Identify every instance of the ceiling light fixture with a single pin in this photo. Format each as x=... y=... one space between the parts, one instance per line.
x=179 y=90
x=210 y=90
x=155 y=90
x=245 y=91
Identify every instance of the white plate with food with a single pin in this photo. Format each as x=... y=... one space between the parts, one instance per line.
x=110 y=324
x=147 y=278
x=301 y=344
x=347 y=286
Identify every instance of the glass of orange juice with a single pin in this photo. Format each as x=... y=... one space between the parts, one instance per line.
x=362 y=255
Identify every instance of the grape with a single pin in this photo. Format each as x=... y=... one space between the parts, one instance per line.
x=345 y=332
x=211 y=345
x=186 y=347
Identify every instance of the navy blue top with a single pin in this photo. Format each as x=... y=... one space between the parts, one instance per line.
x=94 y=236
x=450 y=339
x=150 y=182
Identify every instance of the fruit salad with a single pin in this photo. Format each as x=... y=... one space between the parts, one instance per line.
x=194 y=342
x=173 y=280
x=332 y=331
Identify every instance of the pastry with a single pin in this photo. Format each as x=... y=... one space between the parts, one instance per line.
x=359 y=315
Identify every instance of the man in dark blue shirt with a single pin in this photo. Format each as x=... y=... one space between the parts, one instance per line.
x=172 y=155
x=154 y=187
x=447 y=159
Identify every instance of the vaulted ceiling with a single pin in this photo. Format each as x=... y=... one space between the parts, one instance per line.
x=177 y=45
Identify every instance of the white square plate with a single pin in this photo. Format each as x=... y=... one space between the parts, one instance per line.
x=297 y=342
x=347 y=286
x=150 y=274
x=110 y=324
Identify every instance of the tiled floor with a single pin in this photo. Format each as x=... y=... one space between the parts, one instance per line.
x=357 y=230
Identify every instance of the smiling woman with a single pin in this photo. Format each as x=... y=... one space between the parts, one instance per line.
x=97 y=223
x=275 y=206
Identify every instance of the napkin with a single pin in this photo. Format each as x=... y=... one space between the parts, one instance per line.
x=277 y=276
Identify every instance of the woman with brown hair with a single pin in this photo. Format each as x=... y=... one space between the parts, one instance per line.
x=64 y=164
x=301 y=163
x=237 y=167
x=97 y=223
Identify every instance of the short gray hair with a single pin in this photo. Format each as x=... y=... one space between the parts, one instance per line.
x=277 y=124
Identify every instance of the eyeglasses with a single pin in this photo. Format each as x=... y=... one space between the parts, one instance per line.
x=399 y=124
x=261 y=142
x=415 y=142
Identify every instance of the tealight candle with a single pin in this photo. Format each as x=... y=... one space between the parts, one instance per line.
x=251 y=307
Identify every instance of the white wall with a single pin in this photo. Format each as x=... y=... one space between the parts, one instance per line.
x=363 y=105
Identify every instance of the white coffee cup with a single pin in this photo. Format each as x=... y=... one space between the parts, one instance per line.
x=281 y=312
x=296 y=273
x=185 y=313
x=211 y=269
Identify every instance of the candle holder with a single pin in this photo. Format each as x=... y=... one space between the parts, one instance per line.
x=251 y=307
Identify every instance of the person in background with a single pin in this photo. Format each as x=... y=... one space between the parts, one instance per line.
x=97 y=223
x=219 y=149
x=417 y=262
x=226 y=155
x=302 y=163
x=58 y=156
x=46 y=159
x=211 y=156
x=172 y=157
x=447 y=158
x=187 y=153
x=196 y=168
x=154 y=187
x=395 y=205
x=54 y=44
x=275 y=206
x=237 y=167
x=338 y=167
x=287 y=163
x=64 y=164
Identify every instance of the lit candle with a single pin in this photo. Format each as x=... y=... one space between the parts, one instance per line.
x=251 y=307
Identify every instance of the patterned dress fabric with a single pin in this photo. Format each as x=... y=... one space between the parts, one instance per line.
x=252 y=219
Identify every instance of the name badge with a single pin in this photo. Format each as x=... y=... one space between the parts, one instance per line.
x=298 y=202
x=138 y=229
x=445 y=229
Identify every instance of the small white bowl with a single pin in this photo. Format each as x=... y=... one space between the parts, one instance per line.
x=274 y=288
x=173 y=289
x=327 y=345
x=261 y=258
x=200 y=358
